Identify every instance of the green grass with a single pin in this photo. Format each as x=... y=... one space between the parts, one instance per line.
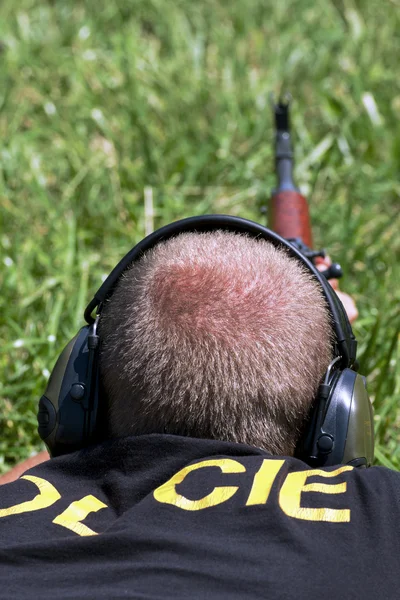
x=100 y=99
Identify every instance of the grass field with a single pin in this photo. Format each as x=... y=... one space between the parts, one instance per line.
x=102 y=99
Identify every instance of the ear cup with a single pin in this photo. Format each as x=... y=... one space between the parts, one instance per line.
x=340 y=430
x=68 y=408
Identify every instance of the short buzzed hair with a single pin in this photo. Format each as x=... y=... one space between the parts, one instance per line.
x=215 y=335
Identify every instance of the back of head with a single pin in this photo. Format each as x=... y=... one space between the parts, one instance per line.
x=215 y=335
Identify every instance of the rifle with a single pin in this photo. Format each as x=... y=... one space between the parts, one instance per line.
x=290 y=216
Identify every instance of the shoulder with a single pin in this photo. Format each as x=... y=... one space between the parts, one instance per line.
x=377 y=480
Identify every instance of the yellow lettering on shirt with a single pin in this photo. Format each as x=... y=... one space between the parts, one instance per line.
x=47 y=496
x=77 y=511
x=263 y=480
x=167 y=493
x=295 y=484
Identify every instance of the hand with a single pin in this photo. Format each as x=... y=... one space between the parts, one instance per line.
x=347 y=301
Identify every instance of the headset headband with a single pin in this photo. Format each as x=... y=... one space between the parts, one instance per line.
x=345 y=341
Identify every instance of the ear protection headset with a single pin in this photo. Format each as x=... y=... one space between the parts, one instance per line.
x=340 y=428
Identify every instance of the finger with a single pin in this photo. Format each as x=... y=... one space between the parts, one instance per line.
x=323 y=266
x=323 y=262
x=349 y=305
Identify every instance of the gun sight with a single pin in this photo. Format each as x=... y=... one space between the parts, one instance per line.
x=281 y=112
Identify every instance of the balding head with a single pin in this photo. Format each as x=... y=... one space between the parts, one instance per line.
x=215 y=335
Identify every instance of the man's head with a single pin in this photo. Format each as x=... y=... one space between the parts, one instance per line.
x=215 y=335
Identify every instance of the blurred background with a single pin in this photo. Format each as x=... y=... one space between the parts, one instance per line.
x=117 y=116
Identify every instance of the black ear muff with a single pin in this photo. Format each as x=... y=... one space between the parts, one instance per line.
x=340 y=430
x=68 y=409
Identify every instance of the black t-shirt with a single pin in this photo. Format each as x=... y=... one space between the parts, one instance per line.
x=163 y=516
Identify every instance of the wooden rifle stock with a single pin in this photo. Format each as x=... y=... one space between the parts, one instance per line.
x=290 y=217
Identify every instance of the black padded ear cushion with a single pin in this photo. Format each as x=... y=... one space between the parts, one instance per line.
x=65 y=415
x=359 y=448
x=341 y=427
